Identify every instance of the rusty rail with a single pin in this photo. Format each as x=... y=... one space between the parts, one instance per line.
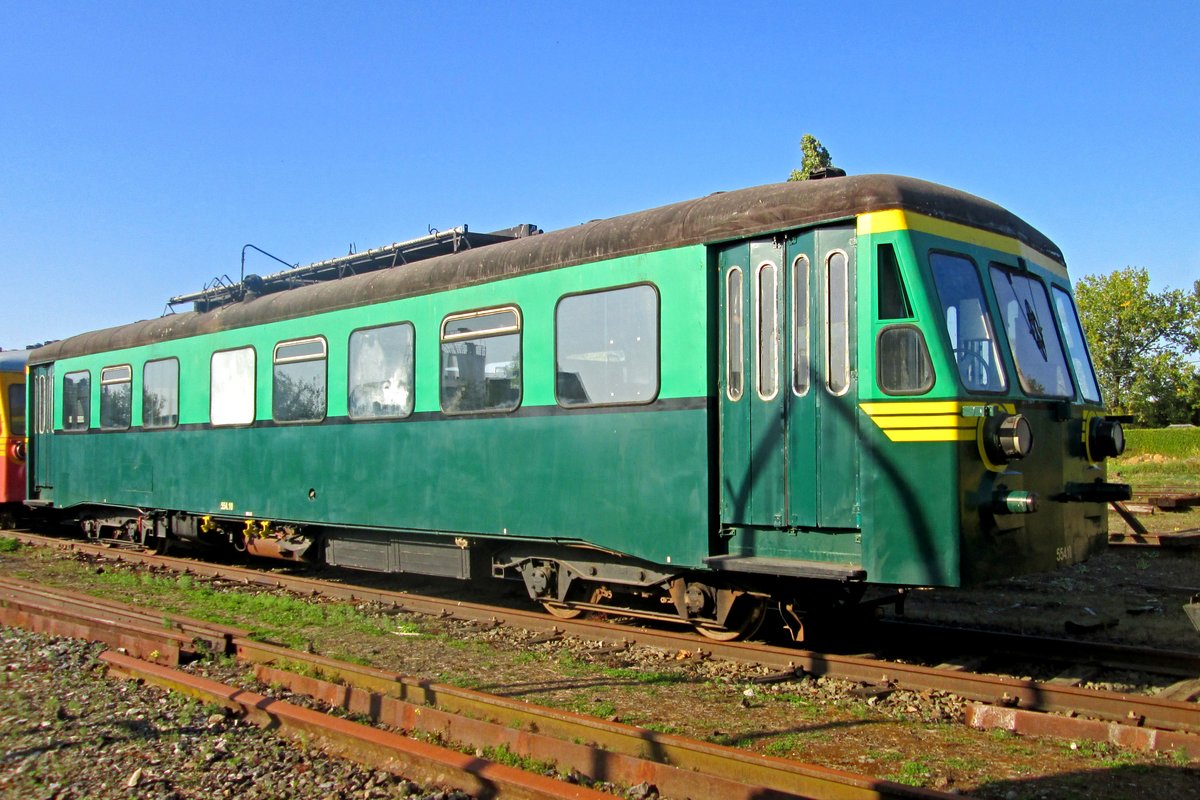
x=678 y=766
x=376 y=748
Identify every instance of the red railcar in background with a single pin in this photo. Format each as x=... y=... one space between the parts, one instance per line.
x=12 y=433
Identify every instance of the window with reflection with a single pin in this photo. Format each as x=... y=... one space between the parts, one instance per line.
x=1081 y=361
x=1032 y=334
x=481 y=361
x=160 y=393
x=381 y=372
x=298 y=385
x=231 y=384
x=116 y=397
x=968 y=322
x=902 y=361
x=606 y=347
x=77 y=401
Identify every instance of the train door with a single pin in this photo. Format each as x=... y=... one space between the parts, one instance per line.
x=40 y=426
x=753 y=401
x=787 y=381
x=823 y=430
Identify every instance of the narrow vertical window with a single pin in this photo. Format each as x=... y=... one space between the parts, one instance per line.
x=837 y=312
x=801 y=360
x=160 y=393
x=768 y=331
x=116 y=397
x=298 y=388
x=232 y=387
x=43 y=406
x=734 y=334
x=381 y=372
x=481 y=361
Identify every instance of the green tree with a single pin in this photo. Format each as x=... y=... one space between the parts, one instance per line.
x=1143 y=344
x=814 y=156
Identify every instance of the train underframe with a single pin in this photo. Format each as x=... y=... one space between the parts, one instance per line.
x=567 y=579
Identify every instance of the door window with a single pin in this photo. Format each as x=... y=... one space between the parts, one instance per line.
x=734 y=334
x=766 y=298
x=837 y=315
x=801 y=360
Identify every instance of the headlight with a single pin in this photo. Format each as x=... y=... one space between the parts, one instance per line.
x=1008 y=438
x=1106 y=439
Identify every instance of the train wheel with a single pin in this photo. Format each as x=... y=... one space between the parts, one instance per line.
x=561 y=611
x=567 y=611
x=743 y=622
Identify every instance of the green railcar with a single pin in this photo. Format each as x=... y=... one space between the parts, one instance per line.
x=779 y=394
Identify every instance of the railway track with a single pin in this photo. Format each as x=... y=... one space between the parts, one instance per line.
x=613 y=753
x=1016 y=704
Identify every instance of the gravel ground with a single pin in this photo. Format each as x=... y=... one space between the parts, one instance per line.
x=66 y=731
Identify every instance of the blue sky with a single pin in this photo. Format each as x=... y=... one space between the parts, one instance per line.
x=142 y=144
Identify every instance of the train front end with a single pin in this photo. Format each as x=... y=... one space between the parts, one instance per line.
x=983 y=385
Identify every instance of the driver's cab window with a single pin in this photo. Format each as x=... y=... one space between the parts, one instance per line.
x=968 y=322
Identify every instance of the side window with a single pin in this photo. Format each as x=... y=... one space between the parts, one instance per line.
x=968 y=322
x=116 y=397
x=481 y=361
x=892 y=297
x=160 y=393
x=837 y=316
x=735 y=354
x=381 y=372
x=801 y=360
x=606 y=347
x=298 y=389
x=232 y=387
x=77 y=401
x=904 y=366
